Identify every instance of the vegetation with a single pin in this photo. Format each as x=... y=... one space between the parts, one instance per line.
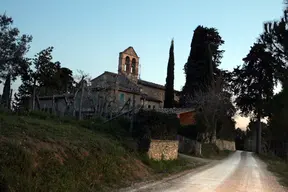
x=154 y=125
x=44 y=153
x=254 y=83
x=170 y=166
x=169 y=86
x=278 y=167
x=211 y=151
x=13 y=48
x=50 y=155
x=204 y=49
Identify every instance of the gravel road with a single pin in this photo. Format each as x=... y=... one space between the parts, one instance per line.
x=240 y=172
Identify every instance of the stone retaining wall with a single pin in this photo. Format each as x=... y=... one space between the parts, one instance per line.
x=189 y=146
x=163 y=150
x=225 y=145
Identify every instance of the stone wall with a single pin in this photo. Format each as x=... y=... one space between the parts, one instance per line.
x=226 y=145
x=163 y=149
x=188 y=146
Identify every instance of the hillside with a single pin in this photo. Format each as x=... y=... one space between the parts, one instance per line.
x=45 y=153
x=49 y=155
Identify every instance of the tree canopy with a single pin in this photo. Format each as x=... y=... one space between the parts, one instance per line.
x=205 y=50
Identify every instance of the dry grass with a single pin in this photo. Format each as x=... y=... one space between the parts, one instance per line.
x=49 y=155
x=277 y=166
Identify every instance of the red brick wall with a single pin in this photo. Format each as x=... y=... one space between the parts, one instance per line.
x=187 y=118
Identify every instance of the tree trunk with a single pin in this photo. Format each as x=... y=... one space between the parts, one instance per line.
x=6 y=91
x=81 y=100
x=213 y=136
x=34 y=95
x=259 y=136
x=10 y=99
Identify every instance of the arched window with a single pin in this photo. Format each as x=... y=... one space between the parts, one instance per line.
x=127 y=64
x=133 y=67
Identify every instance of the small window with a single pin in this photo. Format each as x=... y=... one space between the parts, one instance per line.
x=149 y=106
x=122 y=97
x=153 y=106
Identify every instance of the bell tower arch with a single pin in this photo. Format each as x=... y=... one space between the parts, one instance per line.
x=129 y=63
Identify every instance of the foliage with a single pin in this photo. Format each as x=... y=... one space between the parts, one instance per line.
x=169 y=87
x=255 y=80
x=214 y=108
x=157 y=125
x=154 y=125
x=13 y=48
x=44 y=77
x=204 y=52
x=191 y=131
x=240 y=137
x=167 y=166
x=211 y=151
x=50 y=155
x=226 y=128
x=278 y=167
x=275 y=37
x=278 y=120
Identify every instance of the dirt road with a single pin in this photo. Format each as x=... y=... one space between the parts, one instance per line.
x=240 y=172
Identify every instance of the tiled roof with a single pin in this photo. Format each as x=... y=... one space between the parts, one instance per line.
x=124 y=82
x=173 y=110
x=133 y=50
x=150 y=84
x=154 y=85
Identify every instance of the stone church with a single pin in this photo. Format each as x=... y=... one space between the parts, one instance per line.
x=127 y=82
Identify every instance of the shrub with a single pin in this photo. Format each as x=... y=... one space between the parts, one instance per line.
x=154 y=125
x=189 y=131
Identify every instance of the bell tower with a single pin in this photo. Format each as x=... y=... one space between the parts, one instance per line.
x=129 y=64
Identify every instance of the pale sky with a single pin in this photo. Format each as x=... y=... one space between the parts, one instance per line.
x=89 y=34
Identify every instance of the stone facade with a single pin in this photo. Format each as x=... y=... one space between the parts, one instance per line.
x=129 y=64
x=226 y=145
x=188 y=146
x=163 y=150
x=127 y=82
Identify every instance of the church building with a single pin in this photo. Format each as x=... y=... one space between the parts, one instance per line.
x=127 y=82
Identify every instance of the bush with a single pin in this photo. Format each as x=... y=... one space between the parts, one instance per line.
x=156 y=125
x=189 y=131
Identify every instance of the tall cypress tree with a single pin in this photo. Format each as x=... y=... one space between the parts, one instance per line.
x=198 y=68
x=169 y=91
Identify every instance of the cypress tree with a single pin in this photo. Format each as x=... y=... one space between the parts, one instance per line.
x=198 y=68
x=169 y=87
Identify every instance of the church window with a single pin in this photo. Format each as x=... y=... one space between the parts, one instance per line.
x=122 y=97
x=127 y=64
x=133 y=67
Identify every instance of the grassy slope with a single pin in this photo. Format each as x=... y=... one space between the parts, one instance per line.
x=278 y=166
x=47 y=155
x=40 y=154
